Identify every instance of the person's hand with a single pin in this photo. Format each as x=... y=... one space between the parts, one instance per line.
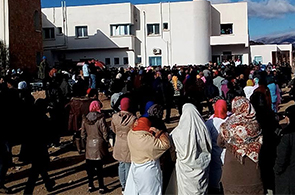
x=153 y=129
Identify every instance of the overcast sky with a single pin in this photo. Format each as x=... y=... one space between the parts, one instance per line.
x=266 y=17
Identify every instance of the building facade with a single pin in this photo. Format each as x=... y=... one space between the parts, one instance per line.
x=192 y=32
x=272 y=53
x=21 y=31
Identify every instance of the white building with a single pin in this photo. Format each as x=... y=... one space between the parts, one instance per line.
x=182 y=33
x=272 y=53
x=4 y=22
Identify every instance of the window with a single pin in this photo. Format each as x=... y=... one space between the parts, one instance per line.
x=116 y=61
x=48 y=33
x=153 y=29
x=165 y=26
x=138 y=60
x=107 y=61
x=121 y=29
x=258 y=59
x=125 y=60
x=226 y=29
x=59 y=30
x=37 y=18
x=155 y=61
x=81 y=31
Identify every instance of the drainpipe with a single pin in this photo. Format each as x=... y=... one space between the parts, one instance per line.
x=162 y=32
x=144 y=38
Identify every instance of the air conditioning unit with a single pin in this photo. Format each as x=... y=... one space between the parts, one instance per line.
x=157 y=51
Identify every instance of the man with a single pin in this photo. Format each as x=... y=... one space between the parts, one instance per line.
x=92 y=70
x=85 y=70
x=43 y=68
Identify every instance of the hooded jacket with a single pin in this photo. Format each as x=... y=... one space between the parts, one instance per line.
x=95 y=129
x=121 y=124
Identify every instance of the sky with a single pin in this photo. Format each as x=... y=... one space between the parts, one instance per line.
x=266 y=17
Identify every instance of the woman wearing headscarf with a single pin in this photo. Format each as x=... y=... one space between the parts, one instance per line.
x=217 y=155
x=249 y=89
x=269 y=126
x=241 y=135
x=146 y=145
x=177 y=86
x=147 y=106
x=95 y=129
x=284 y=164
x=193 y=152
x=155 y=113
x=121 y=123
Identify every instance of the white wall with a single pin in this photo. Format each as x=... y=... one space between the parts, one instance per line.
x=188 y=39
x=235 y=13
x=266 y=51
x=4 y=21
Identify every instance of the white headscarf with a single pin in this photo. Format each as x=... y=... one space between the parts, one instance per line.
x=191 y=139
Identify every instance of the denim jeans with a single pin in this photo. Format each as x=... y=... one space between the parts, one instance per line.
x=93 y=81
x=123 y=172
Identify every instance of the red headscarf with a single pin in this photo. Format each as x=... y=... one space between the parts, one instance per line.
x=95 y=106
x=142 y=124
x=124 y=104
x=220 y=109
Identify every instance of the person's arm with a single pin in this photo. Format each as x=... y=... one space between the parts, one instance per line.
x=283 y=155
x=113 y=127
x=83 y=130
x=221 y=141
x=161 y=141
x=104 y=129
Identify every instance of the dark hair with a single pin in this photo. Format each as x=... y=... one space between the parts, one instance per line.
x=93 y=92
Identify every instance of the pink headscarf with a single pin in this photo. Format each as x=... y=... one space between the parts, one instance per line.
x=95 y=106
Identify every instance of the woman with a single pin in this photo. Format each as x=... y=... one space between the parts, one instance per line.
x=193 y=151
x=177 y=86
x=95 y=129
x=121 y=124
x=217 y=158
x=241 y=135
x=284 y=164
x=146 y=146
x=269 y=126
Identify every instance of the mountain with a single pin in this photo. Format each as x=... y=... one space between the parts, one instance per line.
x=278 y=39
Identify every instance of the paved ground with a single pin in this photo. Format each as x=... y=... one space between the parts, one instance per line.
x=68 y=167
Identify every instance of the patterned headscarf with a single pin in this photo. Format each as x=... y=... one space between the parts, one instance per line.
x=241 y=131
x=95 y=106
x=174 y=80
x=156 y=110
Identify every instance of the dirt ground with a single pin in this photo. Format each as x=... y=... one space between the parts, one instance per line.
x=67 y=167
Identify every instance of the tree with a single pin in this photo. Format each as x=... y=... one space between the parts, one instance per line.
x=4 y=56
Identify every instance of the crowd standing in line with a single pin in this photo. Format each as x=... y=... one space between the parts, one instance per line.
x=240 y=149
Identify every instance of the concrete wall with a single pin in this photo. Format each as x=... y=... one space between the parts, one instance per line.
x=265 y=51
x=25 y=41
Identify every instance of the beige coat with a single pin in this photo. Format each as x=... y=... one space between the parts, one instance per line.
x=145 y=147
x=95 y=129
x=121 y=124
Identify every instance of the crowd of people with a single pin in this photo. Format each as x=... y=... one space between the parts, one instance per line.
x=228 y=139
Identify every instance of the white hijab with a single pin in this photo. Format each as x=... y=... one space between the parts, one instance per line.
x=191 y=139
